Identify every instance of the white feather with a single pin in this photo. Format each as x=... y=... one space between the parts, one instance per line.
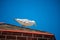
x=26 y=22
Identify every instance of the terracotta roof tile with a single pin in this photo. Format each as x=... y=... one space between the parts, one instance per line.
x=14 y=28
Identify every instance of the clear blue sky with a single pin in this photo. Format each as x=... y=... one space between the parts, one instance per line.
x=44 y=12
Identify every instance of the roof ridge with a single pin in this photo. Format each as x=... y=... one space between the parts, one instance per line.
x=24 y=28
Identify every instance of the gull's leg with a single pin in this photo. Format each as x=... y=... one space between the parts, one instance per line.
x=23 y=27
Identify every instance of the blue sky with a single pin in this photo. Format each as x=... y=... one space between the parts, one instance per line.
x=44 y=12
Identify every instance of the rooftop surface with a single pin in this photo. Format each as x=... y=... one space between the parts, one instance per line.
x=14 y=28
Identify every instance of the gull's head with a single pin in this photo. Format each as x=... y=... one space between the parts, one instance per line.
x=33 y=22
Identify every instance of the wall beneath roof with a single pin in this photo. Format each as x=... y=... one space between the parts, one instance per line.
x=44 y=12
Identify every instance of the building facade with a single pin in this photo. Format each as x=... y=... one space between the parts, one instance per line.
x=13 y=32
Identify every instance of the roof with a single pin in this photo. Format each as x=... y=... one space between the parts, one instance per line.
x=14 y=28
